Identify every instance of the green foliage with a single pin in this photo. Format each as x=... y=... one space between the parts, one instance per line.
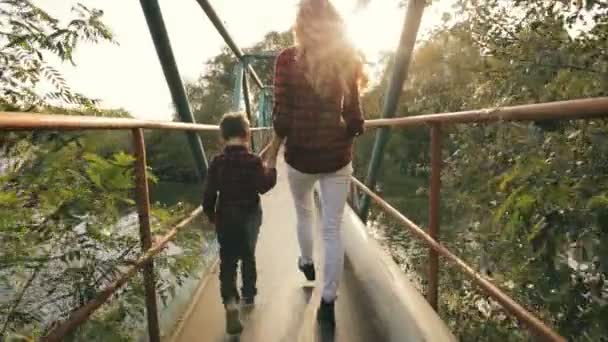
x=68 y=225
x=525 y=204
x=27 y=34
x=49 y=216
x=68 y=228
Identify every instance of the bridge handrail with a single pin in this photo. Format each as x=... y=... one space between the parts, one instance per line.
x=84 y=312
x=37 y=121
x=534 y=323
x=558 y=110
x=16 y=121
x=574 y=109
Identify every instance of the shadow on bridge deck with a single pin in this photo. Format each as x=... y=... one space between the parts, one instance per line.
x=286 y=304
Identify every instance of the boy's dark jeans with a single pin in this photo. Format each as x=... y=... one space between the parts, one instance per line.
x=237 y=233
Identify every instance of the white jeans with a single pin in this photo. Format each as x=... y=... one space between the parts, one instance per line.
x=334 y=189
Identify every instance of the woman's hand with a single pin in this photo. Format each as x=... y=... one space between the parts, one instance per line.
x=270 y=158
x=271 y=163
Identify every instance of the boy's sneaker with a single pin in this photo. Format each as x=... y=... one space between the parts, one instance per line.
x=326 y=314
x=233 y=322
x=248 y=301
x=307 y=268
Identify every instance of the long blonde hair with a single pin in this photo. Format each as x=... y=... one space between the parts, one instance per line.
x=331 y=62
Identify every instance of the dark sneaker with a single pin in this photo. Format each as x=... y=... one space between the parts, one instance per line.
x=248 y=301
x=233 y=322
x=326 y=314
x=308 y=269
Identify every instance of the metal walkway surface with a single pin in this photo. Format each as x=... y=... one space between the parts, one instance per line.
x=286 y=304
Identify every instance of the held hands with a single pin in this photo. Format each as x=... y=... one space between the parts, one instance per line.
x=269 y=155
x=271 y=163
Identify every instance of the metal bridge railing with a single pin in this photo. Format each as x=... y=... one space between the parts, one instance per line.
x=160 y=37
x=29 y=121
x=576 y=109
x=15 y=121
x=588 y=108
x=565 y=110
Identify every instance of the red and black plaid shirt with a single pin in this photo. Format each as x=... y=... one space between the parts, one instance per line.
x=238 y=177
x=319 y=131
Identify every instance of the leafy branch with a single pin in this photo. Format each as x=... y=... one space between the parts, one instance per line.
x=27 y=34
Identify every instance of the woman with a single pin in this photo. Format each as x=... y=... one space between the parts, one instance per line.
x=317 y=114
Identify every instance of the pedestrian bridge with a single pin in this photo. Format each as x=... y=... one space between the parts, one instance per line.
x=376 y=302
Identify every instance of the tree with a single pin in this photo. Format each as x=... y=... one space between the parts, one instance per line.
x=27 y=34
x=66 y=214
x=525 y=206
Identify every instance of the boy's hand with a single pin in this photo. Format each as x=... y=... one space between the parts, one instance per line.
x=271 y=152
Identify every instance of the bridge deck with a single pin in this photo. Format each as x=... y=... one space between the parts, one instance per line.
x=286 y=303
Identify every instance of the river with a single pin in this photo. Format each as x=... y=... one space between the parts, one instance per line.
x=165 y=194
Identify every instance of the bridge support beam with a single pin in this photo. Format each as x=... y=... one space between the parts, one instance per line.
x=221 y=29
x=241 y=92
x=247 y=98
x=158 y=31
x=403 y=57
x=142 y=194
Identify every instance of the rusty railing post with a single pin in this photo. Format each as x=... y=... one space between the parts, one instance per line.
x=160 y=38
x=142 y=196
x=432 y=292
x=535 y=325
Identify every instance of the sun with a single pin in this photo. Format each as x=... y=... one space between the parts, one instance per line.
x=373 y=29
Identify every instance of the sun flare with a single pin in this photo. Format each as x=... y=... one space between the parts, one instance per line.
x=374 y=28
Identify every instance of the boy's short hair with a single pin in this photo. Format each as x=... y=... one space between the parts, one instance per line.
x=234 y=125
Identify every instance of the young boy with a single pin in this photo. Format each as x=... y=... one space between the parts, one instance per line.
x=238 y=177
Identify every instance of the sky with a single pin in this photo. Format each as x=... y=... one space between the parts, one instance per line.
x=128 y=75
